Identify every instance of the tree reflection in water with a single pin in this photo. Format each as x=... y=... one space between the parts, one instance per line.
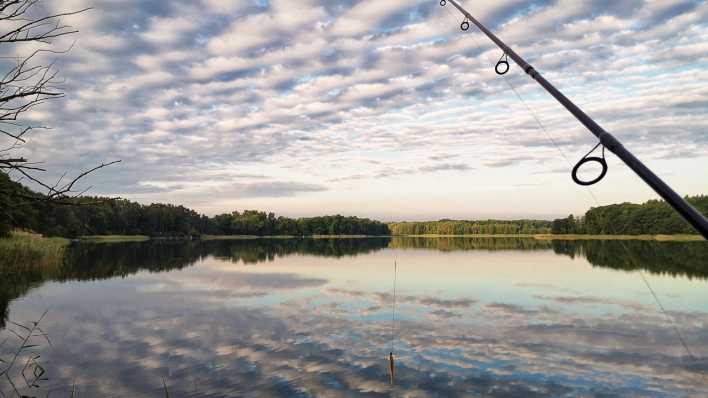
x=173 y=320
x=102 y=261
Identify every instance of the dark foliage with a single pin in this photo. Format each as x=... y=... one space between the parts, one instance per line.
x=461 y=227
x=252 y=222
x=654 y=217
x=665 y=258
x=101 y=216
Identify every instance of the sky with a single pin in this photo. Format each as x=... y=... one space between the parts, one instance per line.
x=381 y=109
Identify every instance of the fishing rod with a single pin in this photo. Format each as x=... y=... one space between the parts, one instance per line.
x=607 y=140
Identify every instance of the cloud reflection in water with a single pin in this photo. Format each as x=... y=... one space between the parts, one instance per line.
x=307 y=326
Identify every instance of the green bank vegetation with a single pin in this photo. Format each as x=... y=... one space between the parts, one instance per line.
x=26 y=249
x=24 y=260
x=96 y=216
x=652 y=220
x=463 y=227
x=677 y=238
x=245 y=237
x=112 y=220
x=654 y=217
x=673 y=238
x=114 y=238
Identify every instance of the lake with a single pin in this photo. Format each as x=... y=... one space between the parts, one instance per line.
x=497 y=317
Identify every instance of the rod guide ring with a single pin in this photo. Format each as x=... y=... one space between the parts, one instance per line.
x=502 y=67
x=585 y=160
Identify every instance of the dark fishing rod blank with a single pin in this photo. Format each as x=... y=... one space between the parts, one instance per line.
x=607 y=140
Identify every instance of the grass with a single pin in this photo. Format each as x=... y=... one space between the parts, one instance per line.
x=346 y=236
x=228 y=237
x=26 y=353
x=23 y=248
x=470 y=236
x=114 y=238
x=676 y=238
x=245 y=237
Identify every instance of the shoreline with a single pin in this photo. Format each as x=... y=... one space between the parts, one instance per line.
x=35 y=250
x=659 y=238
x=144 y=238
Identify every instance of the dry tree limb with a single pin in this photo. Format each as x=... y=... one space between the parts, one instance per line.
x=28 y=83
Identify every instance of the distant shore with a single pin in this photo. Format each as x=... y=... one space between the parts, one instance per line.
x=677 y=238
x=37 y=251
x=37 y=239
x=114 y=238
x=238 y=237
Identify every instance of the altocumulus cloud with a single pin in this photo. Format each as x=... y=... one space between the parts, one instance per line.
x=191 y=92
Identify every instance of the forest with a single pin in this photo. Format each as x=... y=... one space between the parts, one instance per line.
x=89 y=215
x=654 y=217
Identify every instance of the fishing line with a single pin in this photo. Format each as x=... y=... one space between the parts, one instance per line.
x=393 y=312
x=391 y=362
x=540 y=124
x=586 y=184
x=666 y=314
x=585 y=159
x=521 y=99
x=501 y=68
x=555 y=144
x=657 y=301
x=588 y=159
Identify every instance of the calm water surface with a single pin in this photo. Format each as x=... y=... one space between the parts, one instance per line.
x=277 y=317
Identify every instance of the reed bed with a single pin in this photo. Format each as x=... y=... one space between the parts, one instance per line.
x=114 y=238
x=22 y=250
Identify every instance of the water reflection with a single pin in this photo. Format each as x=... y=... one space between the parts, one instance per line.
x=466 y=243
x=670 y=258
x=85 y=262
x=258 y=250
x=481 y=317
x=102 y=261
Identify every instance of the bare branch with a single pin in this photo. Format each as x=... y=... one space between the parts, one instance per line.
x=26 y=32
x=26 y=84
x=57 y=194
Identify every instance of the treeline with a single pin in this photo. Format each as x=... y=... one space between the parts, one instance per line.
x=460 y=227
x=252 y=222
x=103 y=216
x=654 y=217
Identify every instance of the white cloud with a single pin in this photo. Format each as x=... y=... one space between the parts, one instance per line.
x=289 y=87
x=168 y=31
